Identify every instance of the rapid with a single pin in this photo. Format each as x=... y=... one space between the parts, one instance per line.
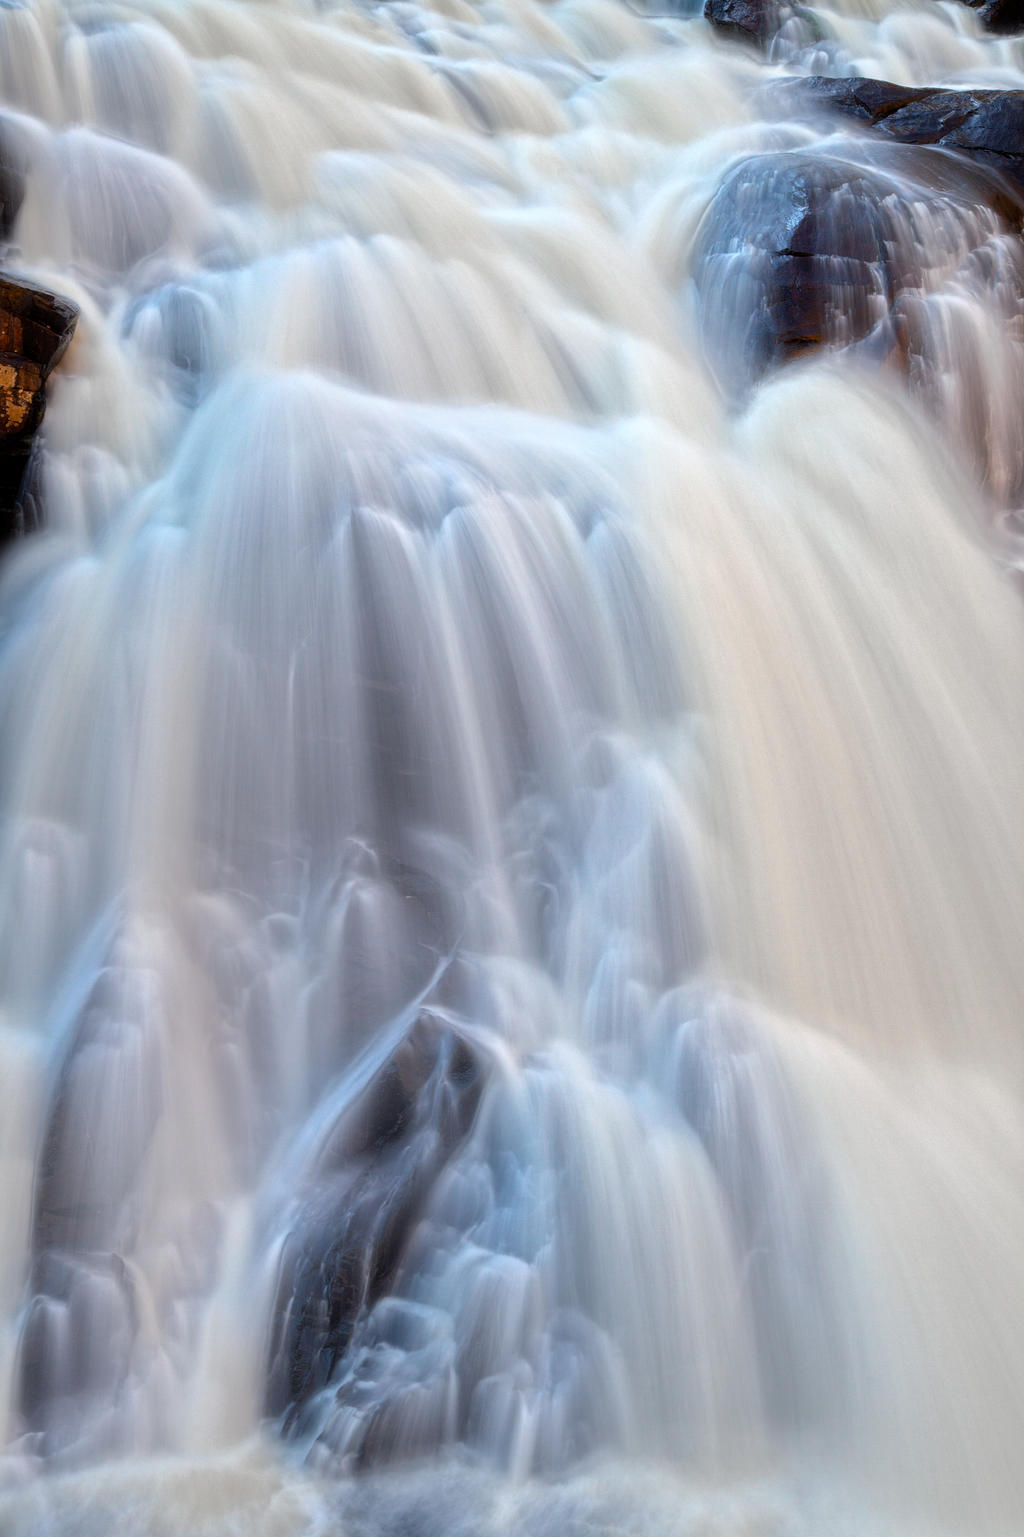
x=511 y=817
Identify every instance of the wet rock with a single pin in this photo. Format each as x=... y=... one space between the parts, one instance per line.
x=19 y=501
x=366 y=1187
x=1002 y=16
x=985 y=126
x=12 y=186
x=792 y=254
x=799 y=251
x=999 y=16
x=36 y=327
x=755 y=21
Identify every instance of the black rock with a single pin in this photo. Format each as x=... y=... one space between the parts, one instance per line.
x=755 y=20
x=19 y=489
x=1002 y=16
x=985 y=126
x=792 y=253
x=12 y=187
x=801 y=250
x=365 y=1189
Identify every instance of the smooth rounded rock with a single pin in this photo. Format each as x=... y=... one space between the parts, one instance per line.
x=36 y=327
x=983 y=125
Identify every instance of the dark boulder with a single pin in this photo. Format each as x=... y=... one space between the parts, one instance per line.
x=365 y=1188
x=770 y=25
x=755 y=21
x=12 y=183
x=985 y=126
x=903 y=254
x=801 y=250
x=12 y=190
x=1003 y=16
x=36 y=327
x=791 y=255
x=999 y=16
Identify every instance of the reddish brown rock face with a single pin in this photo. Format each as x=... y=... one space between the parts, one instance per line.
x=21 y=397
x=35 y=329
x=35 y=325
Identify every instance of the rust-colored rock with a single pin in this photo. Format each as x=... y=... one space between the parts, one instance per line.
x=36 y=327
x=21 y=397
x=1001 y=16
x=35 y=324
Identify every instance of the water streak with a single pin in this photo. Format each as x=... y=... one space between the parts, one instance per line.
x=511 y=859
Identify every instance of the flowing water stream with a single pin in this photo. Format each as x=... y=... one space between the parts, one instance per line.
x=511 y=825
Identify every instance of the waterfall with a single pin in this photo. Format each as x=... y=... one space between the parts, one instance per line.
x=511 y=811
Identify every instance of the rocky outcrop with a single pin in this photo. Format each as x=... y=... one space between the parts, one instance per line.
x=801 y=250
x=986 y=127
x=758 y=21
x=754 y=21
x=1002 y=16
x=365 y=1190
x=12 y=186
x=36 y=327
x=788 y=254
x=904 y=254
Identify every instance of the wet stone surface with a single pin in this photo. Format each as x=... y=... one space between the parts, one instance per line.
x=370 y=1177
x=800 y=251
x=36 y=327
x=985 y=126
x=754 y=21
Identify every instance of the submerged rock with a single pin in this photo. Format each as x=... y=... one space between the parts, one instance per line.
x=801 y=250
x=873 y=242
x=875 y=251
x=1002 y=16
x=366 y=1188
x=12 y=187
x=36 y=327
x=755 y=21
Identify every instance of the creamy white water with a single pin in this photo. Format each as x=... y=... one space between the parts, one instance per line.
x=418 y=634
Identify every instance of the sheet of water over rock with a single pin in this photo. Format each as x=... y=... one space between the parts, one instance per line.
x=511 y=814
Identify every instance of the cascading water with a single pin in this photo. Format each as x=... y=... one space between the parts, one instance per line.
x=511 y=815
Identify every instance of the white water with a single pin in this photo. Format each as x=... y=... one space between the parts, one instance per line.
x=417 y=629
